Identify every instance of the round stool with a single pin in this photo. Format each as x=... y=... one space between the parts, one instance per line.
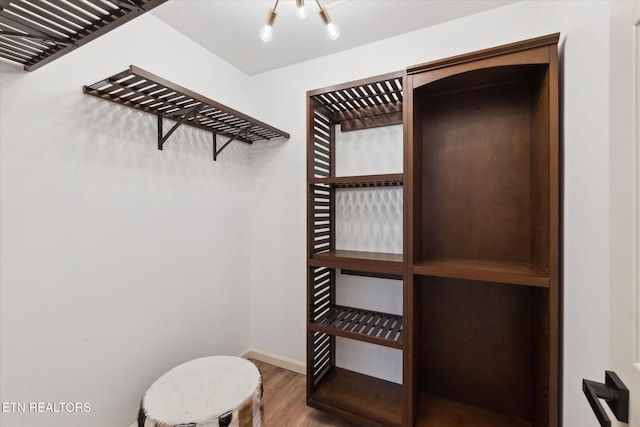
x=216 y=391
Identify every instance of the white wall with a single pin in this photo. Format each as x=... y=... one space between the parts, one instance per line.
x=623 y=198
x=278 y=273
x=118 y=261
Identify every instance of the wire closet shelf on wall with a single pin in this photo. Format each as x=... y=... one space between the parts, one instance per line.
x=144 y=91
x=35 y=32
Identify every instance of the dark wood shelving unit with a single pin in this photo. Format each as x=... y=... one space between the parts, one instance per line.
x=36 y=32
x=481 y=289
x=354 y=396
x=482 y=197
x=145 y=91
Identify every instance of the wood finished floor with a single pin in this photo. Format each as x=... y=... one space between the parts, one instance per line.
x=284 y=400
x=284 y=406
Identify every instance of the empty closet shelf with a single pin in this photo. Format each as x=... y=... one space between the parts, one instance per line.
x=382 y=180
x=372 y=262
x=368 y=103
x=519 y=273
x=359 y=397
x=362 y=325
x=36 y=32
x=144 y=91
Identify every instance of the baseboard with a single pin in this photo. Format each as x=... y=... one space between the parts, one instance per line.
x=275 y=360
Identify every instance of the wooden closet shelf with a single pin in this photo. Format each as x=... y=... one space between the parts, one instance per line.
x=490 y=271
x=372 y=262
x=437 y=411
x=365 y=103
x=362 y=325
x=35 y=32
x=144 y=91
x=383 y=180
x=356 y=396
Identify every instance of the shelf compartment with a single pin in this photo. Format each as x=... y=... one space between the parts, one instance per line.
x=359 y=398
x=484 y=184
x=491 y=271
x=368 y=262
x=362 y=104
x=144 y=91
x=362 y=325
x=383 y=180
x=36 y=32
x=486 y=345
x=437 y=411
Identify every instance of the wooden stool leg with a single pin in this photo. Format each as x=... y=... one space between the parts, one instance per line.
x=142 y=417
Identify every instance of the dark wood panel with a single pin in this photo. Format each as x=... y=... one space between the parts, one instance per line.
x=530 y=44
x=541 y=180
x=435 y=411
x=501 y=272
x=371 y=122
x=360 y=398
x=484 y=78
x=476 y=176
x=381 y=180
x=375 y=262
x=544 y=357
x=373 y=111
x=477 y=344
x=370 y=274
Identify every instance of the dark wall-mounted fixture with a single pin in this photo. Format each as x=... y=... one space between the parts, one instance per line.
x=35 y=32
x=144 y=91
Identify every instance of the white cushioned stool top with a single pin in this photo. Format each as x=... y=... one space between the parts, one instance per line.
x=201 y=390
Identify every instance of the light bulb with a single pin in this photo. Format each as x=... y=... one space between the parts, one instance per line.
x=300 y=9
x=301 y=12
x=266 y=33
x=333 y=31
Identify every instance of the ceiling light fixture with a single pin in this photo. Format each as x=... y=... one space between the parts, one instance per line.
x=266 y=33
x=332 y=29
x=300 y=9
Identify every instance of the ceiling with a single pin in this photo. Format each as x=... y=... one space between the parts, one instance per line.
x=229 y=28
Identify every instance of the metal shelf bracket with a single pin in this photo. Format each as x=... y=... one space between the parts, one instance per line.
x=216 y=151
x=162 y=139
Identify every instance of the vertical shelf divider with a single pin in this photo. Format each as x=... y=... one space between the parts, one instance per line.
x=359 y=398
